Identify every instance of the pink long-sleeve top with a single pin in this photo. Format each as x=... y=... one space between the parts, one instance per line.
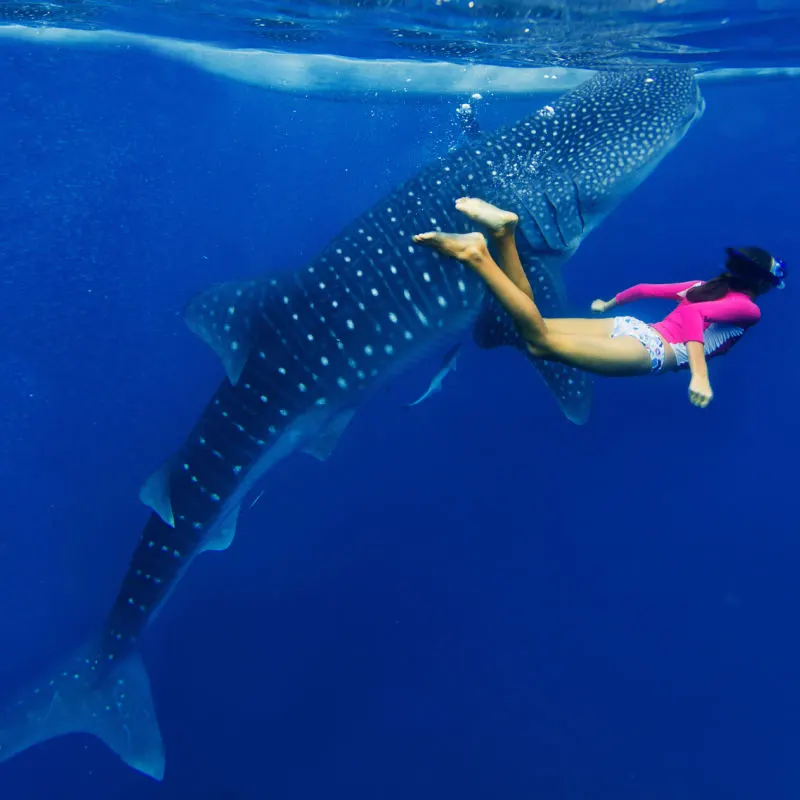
x=718 y=324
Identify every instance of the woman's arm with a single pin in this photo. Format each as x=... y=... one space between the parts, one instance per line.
x=601 y=306
x=644 y=291
x=700 y=393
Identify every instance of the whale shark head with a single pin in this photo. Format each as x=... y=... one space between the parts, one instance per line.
x=576 y=159
x=628 y=124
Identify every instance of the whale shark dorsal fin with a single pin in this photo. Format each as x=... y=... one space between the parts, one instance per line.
x=155 y=493
x=224 y=535
x=324 y=443
x=224 y=318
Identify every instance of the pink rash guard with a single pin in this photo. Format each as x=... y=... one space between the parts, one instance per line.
x=718 y=324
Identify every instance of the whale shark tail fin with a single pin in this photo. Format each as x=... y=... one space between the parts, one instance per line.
x=89 y=693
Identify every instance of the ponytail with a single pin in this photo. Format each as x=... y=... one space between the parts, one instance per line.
x=723 y=284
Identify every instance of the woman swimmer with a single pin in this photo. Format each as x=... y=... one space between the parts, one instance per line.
x=710 y=317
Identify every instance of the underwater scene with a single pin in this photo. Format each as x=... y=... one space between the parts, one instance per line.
x=395 y=400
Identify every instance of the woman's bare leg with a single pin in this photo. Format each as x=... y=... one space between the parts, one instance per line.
x=501 y=227
x=581 y=327
x=620 y=357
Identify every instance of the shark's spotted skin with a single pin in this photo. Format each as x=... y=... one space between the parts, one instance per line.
x=302 y=349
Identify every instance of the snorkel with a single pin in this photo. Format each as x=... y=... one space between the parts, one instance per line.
x=751 y=262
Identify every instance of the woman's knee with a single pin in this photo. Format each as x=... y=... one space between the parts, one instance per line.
x=540 y=348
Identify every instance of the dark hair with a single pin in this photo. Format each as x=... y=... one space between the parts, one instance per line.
x=747 y=271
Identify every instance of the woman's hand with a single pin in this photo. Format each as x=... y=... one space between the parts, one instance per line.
x=700 y=393
x=600 y=306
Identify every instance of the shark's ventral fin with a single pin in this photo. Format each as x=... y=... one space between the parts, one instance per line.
x=225 y=533
x=448 y=365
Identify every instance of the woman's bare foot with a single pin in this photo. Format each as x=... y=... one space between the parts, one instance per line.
x=468 y=247
x=498 y=222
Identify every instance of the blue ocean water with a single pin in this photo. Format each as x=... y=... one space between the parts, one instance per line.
x=471 y=598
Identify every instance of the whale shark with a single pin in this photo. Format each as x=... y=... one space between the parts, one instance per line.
x=303 y=348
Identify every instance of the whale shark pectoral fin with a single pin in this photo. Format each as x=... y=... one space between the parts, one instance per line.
x=324 y=443
x=155 y=493
x=493 y=327
x=223 y=537
x=571 y=388
x=87 y=693
x=225 y=318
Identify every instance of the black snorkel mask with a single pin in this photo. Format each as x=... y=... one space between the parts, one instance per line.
x=742 y=264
